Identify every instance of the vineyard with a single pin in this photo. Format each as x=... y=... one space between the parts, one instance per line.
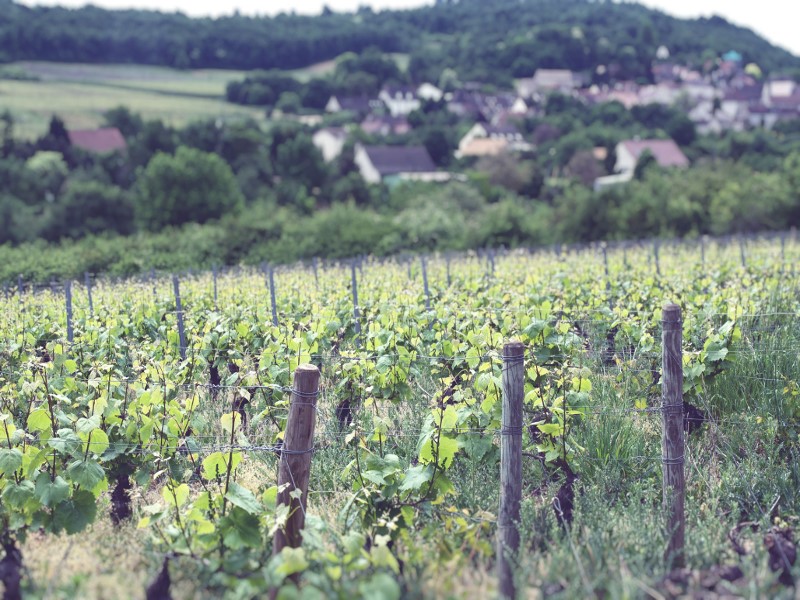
x=151 y=416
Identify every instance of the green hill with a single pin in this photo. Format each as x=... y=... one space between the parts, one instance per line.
x=490 y=42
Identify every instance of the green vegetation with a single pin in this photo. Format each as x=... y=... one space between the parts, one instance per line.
x=81 y=93
x=487 y=42
x=115 y=430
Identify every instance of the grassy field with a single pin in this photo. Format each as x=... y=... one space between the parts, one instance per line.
x=81 y=93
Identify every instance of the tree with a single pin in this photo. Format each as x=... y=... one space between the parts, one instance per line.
x=90 y=207
x=128 y=123
x=192 y=186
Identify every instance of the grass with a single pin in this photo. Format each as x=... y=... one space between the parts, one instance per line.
x=81 y=93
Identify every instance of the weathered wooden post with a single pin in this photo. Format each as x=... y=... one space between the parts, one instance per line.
x=87 y=282
x=425 y=284
x=510 y=466
x=354 y=284
x=672 y=446
x=68 y=301
x=742 y=252
x=655 y=258
x=295 y=458
x=273 y=302
x=214 y=275
x=179 y=314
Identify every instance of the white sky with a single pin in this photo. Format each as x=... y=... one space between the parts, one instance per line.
x=777 y=20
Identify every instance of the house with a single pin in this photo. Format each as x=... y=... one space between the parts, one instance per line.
x=484 y=139
x=385 y=125
x=360 y=105
x=777 y=90
x=330 y=141
x=400 y=100
x=428 y=91
x=628 y=152
x=382 y=163
x=99 y=141
x=555 y=80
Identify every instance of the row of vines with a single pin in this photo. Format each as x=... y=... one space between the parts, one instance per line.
x=116 y=425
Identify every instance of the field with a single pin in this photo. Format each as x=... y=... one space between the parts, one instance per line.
x=81 y=93
x=134 y=446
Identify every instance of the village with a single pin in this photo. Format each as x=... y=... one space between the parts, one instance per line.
x=727 y=96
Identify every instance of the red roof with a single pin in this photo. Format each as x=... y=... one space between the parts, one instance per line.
x=106 y=139
x=666 y=152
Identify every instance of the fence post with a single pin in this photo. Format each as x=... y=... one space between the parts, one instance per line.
x=214 y=275
x=272 y=300
x=179 y=314
x=425 y=284
x=742 y=252
x=672 y=448
x=447 y=267
x=510 y=466
x=68 y=301
x=702 y=250
x=655 y=258
x=87 y=282
x=295 y=458
x=354 y=283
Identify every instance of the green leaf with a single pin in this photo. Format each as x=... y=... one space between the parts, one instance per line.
x=716 y=355
x=97 y=443
x=49 y=492
x=74 y=515
x=216 y=463
x=175 y=495
x=380 y=586
x=241 y=529
x=66 y=442
x=244 y=499
x=10 y=460
x=293 y=560
x=17 y=494
x=416 y=477
x=447 y=450
x=86 y=473
x=39 y=420
x=88 y=425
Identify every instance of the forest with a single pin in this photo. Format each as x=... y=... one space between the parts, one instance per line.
x=491 y=42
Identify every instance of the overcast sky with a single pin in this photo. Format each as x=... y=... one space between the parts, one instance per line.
x=777 y=20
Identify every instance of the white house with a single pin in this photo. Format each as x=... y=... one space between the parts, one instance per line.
x=330 y=141
x=428 y=91
x=399 y=100
x=665 y=152
x=484 y=139
x=378 y=163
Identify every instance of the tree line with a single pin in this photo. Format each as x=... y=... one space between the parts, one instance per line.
x=490 y=42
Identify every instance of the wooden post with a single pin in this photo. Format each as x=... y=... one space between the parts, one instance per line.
x=295 y=459
x=655 y=258
x=741 y=252
x=68 y=300
x=354 y=283
x=87 y=281
x=510 y=466
x=316 y=274
x=672 y=447
x=179 y=314
x=425 y=284
x=272 y=300
x=703 y=250
x=214 y=274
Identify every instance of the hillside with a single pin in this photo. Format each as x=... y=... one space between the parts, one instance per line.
x=490 y=42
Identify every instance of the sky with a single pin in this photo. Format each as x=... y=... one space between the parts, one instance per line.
x=776 y=20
